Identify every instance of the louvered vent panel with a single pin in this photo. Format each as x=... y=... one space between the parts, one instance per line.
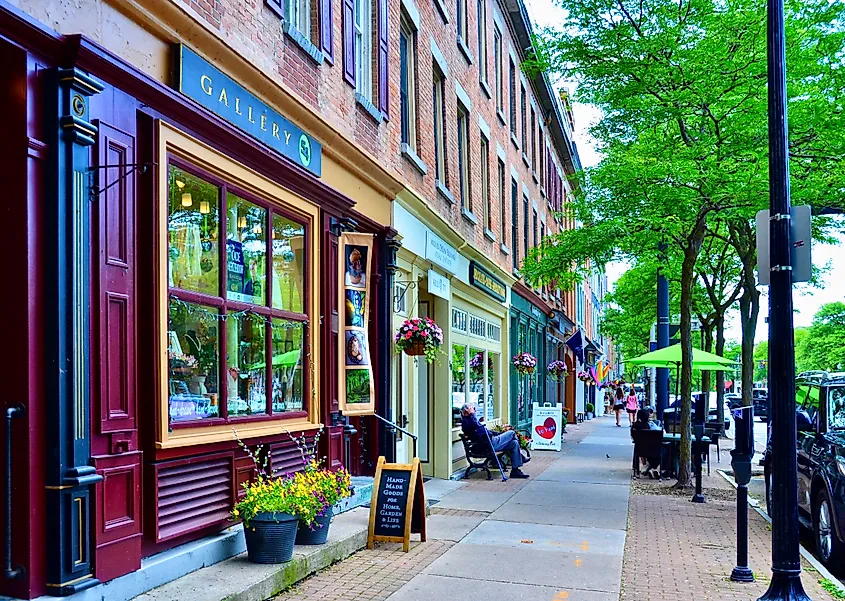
x=193 y=495
x=286 y=458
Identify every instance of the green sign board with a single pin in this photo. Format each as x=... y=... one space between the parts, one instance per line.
x=484 y=280
x=201 y=81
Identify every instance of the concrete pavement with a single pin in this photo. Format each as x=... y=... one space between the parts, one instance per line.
x=558 y=536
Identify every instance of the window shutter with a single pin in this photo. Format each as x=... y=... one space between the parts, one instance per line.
x=349 y=41
x=327 y=29
x=383 y=91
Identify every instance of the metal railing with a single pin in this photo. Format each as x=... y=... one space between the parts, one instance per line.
x=13 y=412
x=414 y=437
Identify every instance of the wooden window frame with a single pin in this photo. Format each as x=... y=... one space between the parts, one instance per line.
x=484 y=158
x=482 y=41
x=464 y=171
x=502 y=198
x=408 y=98
x=497 y=69
x=439 y=102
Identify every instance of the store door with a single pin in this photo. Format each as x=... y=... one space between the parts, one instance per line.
x=424 y=409
x=115 y=438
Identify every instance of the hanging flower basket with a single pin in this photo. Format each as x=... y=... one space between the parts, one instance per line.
x=419 y=336
x=524 y=363
x=556 y=370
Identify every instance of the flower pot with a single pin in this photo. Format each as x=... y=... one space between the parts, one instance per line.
x=317 y=533
x=270 y=537
x=416 y=349
x=589 y=415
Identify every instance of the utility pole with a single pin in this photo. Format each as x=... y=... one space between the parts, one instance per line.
x=662 y=376
x=786 y=560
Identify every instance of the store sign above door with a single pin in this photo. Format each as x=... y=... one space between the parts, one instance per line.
x=484 y=280
x=199 y=80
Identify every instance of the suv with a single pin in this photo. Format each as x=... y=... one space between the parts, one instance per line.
x=820 y=407
x=760 y=400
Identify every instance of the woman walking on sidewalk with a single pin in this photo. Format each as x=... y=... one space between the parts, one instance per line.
x=619 y=405
x=632 y=404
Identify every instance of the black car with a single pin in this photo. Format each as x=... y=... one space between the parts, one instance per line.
x=820 y=414
x=760 y=400
x=672 y=414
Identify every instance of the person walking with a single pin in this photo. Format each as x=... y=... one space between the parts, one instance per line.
x=619 y=405
x=632 y=404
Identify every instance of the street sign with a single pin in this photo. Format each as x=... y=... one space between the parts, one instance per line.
x=801 y=238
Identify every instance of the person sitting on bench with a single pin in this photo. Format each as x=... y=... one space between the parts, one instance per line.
x=652 y=463
x=506 y=441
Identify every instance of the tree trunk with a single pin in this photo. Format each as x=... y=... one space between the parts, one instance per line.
x=749 y=310
x=687 y=281
x=706 y=376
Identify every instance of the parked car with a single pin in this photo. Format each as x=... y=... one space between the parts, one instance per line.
x=672 y=414
x=733 y=399
x=760 y=400
x=820 y=415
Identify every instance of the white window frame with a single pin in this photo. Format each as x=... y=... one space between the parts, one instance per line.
x=363 y=31
x=459 y=320
x=298 y=14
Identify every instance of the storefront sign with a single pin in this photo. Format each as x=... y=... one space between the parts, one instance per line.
x=484 y=280
x=197 y=79
x=440 y=253
x=356 y=393
x=439 y=285
x=546 y=428
x=397 y=507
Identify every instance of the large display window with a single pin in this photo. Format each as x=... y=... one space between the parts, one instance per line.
x=475 y=361
x=236 y=302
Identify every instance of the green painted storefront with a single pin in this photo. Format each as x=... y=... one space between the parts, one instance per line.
x=527 y=334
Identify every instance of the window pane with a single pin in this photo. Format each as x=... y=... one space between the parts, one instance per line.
x=288 y=376
x=247 y=374
x=246 y=251
x=288 y=265
x=403 y=82
x=193 y=360
x=476 y=380
x=458 y=382
x=192 y=227
x=492 y=386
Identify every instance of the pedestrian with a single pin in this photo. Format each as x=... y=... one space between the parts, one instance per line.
x=652 y=464
x=619 y=405
x=506 y=441
x=632 y=404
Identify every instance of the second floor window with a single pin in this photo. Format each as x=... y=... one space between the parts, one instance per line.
x=439 y=126
x=525 y=231
x=299 y=16
x=408 y=82
x=513 y=97
x=497 y=67
x=461 y=19
x=463 y=157
x=482 y=40
x=485 y=182
x=502 y=196
x=515 y=223
x=523 y=106
x=363 y=27
x=533 y=142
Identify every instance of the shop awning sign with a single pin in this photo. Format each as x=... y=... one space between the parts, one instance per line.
x=484 y=280
x=204 y=83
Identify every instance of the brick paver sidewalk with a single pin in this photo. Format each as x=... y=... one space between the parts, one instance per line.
x=676 y=549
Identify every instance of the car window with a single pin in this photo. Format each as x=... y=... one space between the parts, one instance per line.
x=811 y=402
x=836 y=408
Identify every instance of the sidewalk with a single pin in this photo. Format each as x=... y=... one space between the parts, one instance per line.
x=558 y=536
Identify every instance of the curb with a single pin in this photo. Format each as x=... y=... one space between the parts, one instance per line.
x=805 y=553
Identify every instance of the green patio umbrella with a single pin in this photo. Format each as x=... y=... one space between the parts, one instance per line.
x=670 y=356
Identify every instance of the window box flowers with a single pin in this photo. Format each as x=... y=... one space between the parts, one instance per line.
x=557 y=371
x=419 y=336
x=524 y=363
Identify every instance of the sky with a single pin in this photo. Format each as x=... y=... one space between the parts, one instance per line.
x=806 y=299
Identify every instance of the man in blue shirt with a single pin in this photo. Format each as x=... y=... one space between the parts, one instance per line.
x=506 y=441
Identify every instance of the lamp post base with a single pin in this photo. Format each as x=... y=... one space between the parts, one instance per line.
x=785 y=586
x=697 y=498
x=742 y=574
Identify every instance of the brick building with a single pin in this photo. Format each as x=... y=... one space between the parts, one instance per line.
x=187 y=179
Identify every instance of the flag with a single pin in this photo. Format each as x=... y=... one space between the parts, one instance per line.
x=576 y=343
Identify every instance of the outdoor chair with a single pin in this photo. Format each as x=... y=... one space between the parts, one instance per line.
x=647 y=443
x=483 y=456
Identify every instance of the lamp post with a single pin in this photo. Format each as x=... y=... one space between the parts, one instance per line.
x=786 y=564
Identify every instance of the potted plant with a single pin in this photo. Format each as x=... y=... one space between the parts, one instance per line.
x=557 y=371
x=525 y=363
x=419 y=336
x=589 y=408
x=271 y=510
x=524 y=441
x=329 y=488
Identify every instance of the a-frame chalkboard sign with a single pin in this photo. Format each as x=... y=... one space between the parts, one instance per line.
x=398 y=505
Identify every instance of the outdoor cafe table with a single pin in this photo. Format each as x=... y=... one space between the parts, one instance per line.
x=674 y=443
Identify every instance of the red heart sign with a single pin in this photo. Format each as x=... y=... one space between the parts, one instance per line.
x=548 y=429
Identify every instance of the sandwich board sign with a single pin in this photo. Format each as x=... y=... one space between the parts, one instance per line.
x=397 y=508
x=546 y=428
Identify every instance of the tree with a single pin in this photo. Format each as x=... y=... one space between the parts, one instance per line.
x=822 y=345
x=761 y=361
x=681 y=85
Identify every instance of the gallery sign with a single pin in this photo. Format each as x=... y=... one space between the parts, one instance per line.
x=356 y=393
x=484 y=280
x=441 y=253
x=201 y=81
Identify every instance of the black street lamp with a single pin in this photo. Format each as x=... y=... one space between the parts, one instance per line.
x=786 y=561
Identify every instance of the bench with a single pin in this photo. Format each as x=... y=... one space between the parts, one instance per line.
x=481 y=457
x=647 y=443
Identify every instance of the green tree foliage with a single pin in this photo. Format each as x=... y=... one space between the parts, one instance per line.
x=822 y=345
x=682 y=88
x=761 y=361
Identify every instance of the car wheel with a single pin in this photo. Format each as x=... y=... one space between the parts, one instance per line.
x=828 y=546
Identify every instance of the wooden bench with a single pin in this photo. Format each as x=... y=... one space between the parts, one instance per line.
x=481 y=457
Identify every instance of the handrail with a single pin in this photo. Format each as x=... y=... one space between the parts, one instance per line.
x=13 y=412
x=401 y=429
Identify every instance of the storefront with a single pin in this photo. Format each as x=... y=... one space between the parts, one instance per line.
x=178 y=239
x=467 y=299
x=561 y=391
x=528 y=321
